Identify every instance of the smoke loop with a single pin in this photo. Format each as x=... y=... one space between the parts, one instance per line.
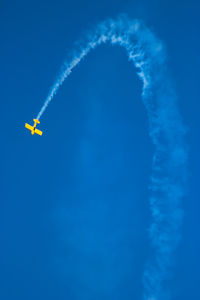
x=165 y=129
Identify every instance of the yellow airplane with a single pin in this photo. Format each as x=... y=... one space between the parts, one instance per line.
x=33 y=128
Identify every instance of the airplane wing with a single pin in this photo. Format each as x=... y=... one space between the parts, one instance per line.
x=38 y=131
x=28 y=126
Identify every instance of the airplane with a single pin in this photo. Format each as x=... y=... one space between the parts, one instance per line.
x=33 y=128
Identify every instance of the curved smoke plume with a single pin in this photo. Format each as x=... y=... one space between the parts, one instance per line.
x=165 y=129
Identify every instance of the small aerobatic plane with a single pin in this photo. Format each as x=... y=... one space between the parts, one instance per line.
x=33 y=128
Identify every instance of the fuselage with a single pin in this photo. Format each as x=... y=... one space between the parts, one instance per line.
x=34 y=126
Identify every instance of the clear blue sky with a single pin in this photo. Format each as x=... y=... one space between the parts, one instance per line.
x=74 y=203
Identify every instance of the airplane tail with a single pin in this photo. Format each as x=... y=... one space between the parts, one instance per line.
x=36 y=121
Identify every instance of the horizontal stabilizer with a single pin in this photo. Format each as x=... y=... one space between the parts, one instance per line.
x=36 y=121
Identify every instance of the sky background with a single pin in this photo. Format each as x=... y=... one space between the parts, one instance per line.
x=74 y=211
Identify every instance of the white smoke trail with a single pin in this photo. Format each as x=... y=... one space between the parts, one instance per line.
x=166 y=131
